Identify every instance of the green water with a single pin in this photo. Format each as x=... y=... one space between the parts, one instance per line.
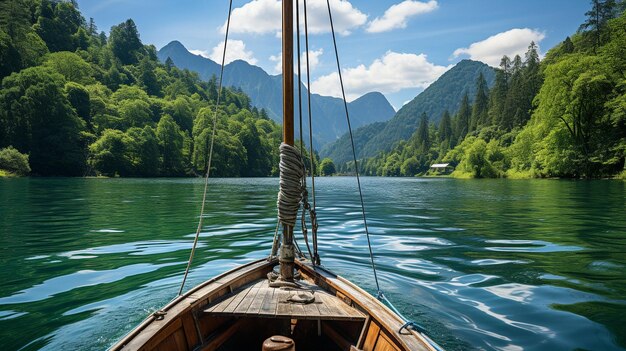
x=481 y=264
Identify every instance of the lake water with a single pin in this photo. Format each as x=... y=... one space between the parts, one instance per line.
x=481 y=264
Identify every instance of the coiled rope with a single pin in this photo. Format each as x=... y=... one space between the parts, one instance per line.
x=291 y=185
x=208 y=170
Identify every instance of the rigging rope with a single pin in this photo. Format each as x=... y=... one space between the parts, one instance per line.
x=356 y=165
x=305 y=200
x=208 y=171
x=312 y=212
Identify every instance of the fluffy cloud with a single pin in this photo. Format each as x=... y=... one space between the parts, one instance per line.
x=203 y=53
x=512 y=42
x=389 y=74
x=236 y=50
x=345 y=16
x=397 y=15
x=264 y=16
x=314 y=56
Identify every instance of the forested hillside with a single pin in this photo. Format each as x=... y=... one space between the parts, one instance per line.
x=562 y=117
x=79 y=102
x=445 y=93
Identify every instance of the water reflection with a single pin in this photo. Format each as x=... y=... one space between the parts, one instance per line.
x=491 y=265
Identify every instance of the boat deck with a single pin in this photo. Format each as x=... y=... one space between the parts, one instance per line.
x=259 y=299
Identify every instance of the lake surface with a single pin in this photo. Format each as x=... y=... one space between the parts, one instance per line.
x=481 y=264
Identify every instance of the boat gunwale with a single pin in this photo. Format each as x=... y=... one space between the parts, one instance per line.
x=131 y=335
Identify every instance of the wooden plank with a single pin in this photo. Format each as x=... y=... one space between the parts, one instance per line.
x=165 y=333
x=191 y=332
x=268 y=307
x=221 y=305
x=236 y=301
x=257 y=303
x=385 y=344
x=284 y=308
x=372 y=337
x=311 y=310
x=322 y=306
x=181 y=340
x=247 y=301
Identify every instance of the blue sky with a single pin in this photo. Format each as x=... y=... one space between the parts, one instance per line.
x=397 y=47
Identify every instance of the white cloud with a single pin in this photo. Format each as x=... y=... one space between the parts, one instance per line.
x=236 y=50
x=256 y=16
x=397 y=15
x=314 y=56
x=203 y=53
x=389 y=74
x=512 y=42
x=314 y=60
x=278 y=69
x=264 y=17
x=345 y=16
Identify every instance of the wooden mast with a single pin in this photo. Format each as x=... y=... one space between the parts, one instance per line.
x=287 y=253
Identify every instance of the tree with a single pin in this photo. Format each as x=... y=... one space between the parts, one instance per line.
x=135 y=113
x=143 y=151
x=125 y=43
x=39 y=120
x=327 y=167
x=568 y=46
x=13 y=161
x=463 y=118
x=148 y=78
x=422 y=140
x=573 y=99
x=78 y=97
x=57 y=24
x=475 y=162
x=170 y=139
x=597 y=18
x=479 y=116
x=71 y=66
x=445 y=127
x=410 y=167
x=497 y=96
x=110 y=153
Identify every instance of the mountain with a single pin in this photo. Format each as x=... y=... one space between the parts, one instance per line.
x=265 y=91
x=445 y=93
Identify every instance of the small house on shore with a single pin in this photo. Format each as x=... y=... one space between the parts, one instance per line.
x=441 y=168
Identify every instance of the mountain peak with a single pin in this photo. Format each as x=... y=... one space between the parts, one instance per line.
x=174 y=45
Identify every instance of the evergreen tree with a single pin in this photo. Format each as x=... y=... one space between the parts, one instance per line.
x=568 y=46
x=463 y=119
x=445 y=128
x=479 y=116
x=597 y=18
x=125 y=43
x=422 y=141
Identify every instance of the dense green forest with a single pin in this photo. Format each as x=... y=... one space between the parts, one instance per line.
x=75 y=102
x=562 y=117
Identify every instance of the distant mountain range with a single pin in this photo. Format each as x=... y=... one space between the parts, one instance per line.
x=265 y=91
x=446 y=93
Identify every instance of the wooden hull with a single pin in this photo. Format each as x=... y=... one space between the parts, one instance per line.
x=237 y=311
